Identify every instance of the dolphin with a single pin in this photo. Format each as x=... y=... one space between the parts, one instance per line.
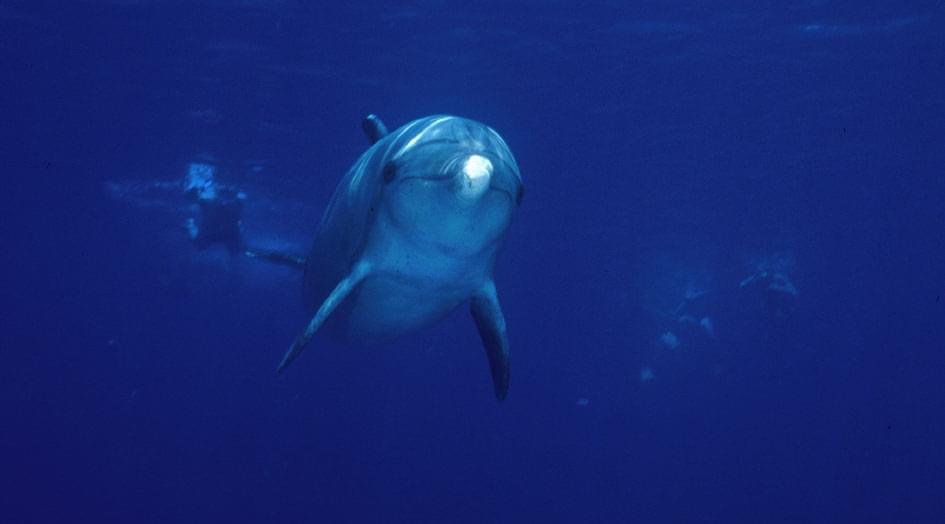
x=411 y=232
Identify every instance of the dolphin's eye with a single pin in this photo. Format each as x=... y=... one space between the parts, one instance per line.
x=390 y=172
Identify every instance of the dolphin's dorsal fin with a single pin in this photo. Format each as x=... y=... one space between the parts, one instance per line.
x=491 y=324
x=374 y=128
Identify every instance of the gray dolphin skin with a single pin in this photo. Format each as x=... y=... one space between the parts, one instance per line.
x=411 y=232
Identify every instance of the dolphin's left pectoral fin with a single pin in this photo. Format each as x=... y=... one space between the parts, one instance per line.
x=337 y=296
x=491 y=324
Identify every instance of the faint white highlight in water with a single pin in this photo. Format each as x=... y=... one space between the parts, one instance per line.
x=646 y=374
x=669 y=340
x=708 y=326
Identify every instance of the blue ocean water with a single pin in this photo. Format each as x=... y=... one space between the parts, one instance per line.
x=670 y=152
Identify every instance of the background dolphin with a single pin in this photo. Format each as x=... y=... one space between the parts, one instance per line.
x=411 y=232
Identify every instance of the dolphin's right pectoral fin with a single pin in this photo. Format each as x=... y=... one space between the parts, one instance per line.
x=337 y=296
x=491 y=324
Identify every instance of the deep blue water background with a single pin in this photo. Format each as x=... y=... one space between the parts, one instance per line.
x=663 y=145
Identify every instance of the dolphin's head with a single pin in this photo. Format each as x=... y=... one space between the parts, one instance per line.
x=451 y=182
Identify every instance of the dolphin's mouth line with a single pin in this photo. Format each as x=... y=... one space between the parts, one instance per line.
x=445 y=178
x=431 y=178
x=445 y=172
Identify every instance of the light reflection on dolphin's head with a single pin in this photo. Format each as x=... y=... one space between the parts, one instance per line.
x=451 y=181
x=473 y=179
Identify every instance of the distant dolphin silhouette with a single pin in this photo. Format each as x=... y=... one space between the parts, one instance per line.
x=411 y=232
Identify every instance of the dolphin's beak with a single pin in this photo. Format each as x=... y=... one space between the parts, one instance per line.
x=474 y=178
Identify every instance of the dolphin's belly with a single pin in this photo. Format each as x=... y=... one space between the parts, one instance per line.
x=387 y=306
x=410 y=285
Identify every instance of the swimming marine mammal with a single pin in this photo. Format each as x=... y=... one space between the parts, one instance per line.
x=411 y=232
